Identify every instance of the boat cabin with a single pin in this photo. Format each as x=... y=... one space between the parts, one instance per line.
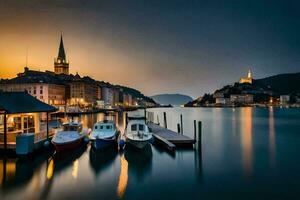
x=20 y=114
x=104 y=126
x=72 y=126
x=137 y=126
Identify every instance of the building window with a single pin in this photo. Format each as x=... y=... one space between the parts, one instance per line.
x=41 y=91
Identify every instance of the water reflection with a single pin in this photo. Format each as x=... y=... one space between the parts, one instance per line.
x=246 y=131
x=101 y=160
x=272 y=144
x=123 y=178
x=16 y=172
x=139 y=161
x=65 y=160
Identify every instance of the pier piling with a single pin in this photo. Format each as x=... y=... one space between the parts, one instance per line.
x=199 y=136
x=5 y=132
x=126 y=120
x=165 y=120
x=181 y=124
x=195 y=130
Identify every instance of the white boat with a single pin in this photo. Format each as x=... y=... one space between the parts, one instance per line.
x=137 y=132
x=104 y=134
x=70 y=137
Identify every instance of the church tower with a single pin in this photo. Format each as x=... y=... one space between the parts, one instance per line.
x=247 y=79
x=249 y=74
x=61 y=65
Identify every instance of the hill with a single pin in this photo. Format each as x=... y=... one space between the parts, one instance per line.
x=281 y=83
x=173 y=99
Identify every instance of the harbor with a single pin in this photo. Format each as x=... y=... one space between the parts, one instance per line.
x=124 y=174
x=146 y=100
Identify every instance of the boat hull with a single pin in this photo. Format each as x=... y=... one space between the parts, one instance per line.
x=140 y=144
x=68 y=146
x=99 y=144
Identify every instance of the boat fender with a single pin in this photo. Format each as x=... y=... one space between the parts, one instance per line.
x=46 y=143
x=86 y=139
x=121 y=143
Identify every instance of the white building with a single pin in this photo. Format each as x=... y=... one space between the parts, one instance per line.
x=241 y=98
x=284 y=99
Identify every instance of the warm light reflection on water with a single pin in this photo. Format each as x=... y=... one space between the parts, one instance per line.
x=50 y=169
x=246 y=131
x=123 y=178
x=235 y=143
x=75 y=169
x=272 y=144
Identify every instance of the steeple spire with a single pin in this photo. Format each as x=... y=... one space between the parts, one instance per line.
x=61 y=51
x=249 y=74
x=61 y=65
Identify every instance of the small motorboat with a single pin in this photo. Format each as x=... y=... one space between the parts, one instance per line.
x=137 y=132
x=104 y=134
x=71 y=137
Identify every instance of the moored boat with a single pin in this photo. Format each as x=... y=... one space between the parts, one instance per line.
x=137 y=132
x=104 y=134
x=69 y=138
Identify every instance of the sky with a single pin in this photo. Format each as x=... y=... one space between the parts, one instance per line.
x=156 y=46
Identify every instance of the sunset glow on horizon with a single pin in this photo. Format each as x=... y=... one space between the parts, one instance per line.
x=154 y=47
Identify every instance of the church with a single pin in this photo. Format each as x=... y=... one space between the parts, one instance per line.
x=61 y=65
x=247 y=79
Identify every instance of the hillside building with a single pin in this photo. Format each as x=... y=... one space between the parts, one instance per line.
x=247 y=79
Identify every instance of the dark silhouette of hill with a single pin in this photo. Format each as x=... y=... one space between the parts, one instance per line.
x=281 y=83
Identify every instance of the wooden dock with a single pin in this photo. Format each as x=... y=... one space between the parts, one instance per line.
x=168 y=138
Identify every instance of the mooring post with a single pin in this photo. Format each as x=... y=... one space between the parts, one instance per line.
x=5 y=132
x=47 y=125
x=126 y=119
x=181 y=124
x=199 y=136
x=178 y=128
x=165 y=120
x=195 y=130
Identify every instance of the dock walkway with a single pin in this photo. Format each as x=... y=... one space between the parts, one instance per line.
x=169 y=138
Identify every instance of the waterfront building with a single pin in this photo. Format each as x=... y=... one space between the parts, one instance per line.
x=284 y=99
x=241 y=98
x=247 y=79
x=61 y=64
x=83 y=91
x=42 y=85
x=20 y=114
x=223 y=101
x=107 y=96
x=116 y=93
x=127 y=99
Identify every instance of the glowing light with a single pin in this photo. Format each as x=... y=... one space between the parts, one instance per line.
x=123 y=179
x=50 y=169
x=75 y=169
x=247 y=139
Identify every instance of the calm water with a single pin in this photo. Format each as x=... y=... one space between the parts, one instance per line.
x=247 y=153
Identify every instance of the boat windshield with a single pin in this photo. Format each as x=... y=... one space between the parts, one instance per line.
x=77 y=128
x=135 y=127
x=103 y=127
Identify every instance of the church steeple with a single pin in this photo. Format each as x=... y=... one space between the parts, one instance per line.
x=249 y=74
x=61 y=65
x=61 y=51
